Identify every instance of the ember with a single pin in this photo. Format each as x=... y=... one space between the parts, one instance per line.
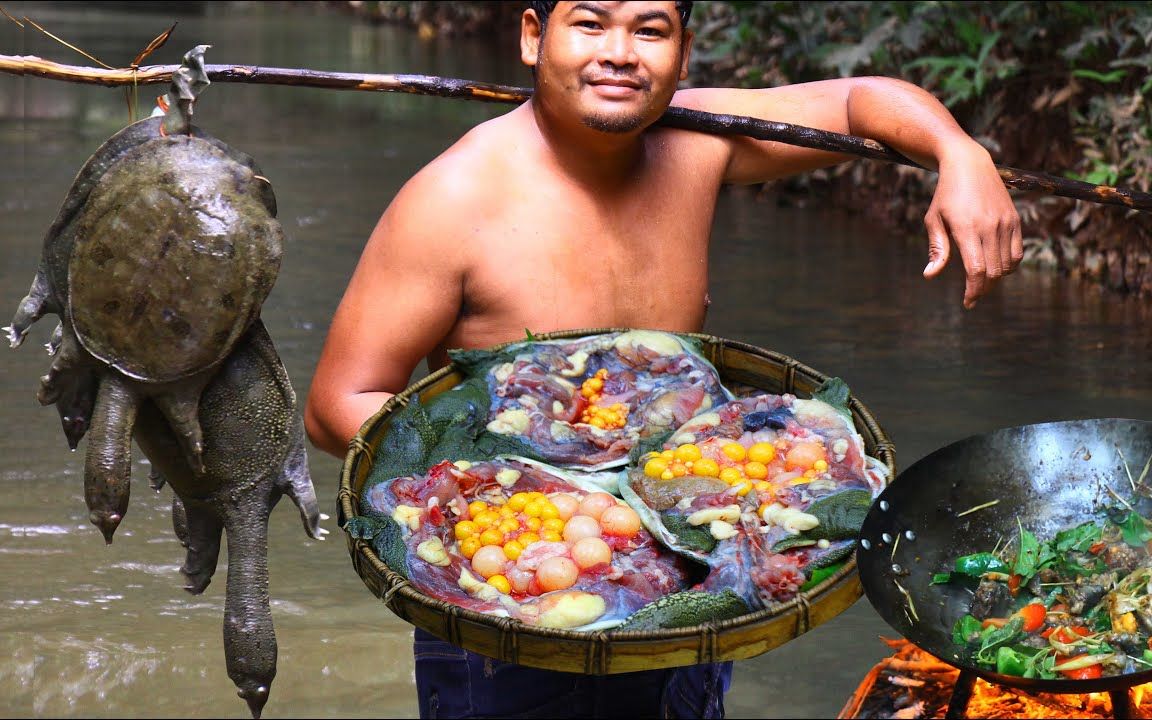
x=914 y=684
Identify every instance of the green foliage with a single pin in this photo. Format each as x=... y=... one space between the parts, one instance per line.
x=1053 y=86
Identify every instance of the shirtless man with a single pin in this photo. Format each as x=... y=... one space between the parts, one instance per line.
x=570 y=211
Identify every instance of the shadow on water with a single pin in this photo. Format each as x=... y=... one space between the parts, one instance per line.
x=89 y=630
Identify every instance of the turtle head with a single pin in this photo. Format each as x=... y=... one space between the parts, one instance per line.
x=188 y=81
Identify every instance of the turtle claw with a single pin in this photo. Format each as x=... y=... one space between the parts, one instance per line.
x=14 y=338
x=296 y=483
x=31 y=309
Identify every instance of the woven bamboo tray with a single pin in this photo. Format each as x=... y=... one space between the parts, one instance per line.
x=609 y=651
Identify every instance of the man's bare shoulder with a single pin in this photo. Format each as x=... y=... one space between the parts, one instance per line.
x=470 y=173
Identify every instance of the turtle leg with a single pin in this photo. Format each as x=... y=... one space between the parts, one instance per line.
x=249 y=638
x=75 y=406
x=71 y=384
x=30 y=309
x=68 y=357
x=180 y=405
x=296 y=482
x=203 y=533
x=108 y=460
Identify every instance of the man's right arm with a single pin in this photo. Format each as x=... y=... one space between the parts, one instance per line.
x=403 y=299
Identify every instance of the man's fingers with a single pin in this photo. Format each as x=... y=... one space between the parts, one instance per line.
x=1004 y=247
x=938 y=246
x=977 y=257
x=1017 y=243
x=996 y=255
x=975 y=285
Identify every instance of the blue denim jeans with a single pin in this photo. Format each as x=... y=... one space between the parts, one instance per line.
x=455 y=683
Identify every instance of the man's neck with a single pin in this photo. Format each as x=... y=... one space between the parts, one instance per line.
x=587 y=155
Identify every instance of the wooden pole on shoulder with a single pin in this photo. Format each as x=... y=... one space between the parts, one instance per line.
x=675 y=117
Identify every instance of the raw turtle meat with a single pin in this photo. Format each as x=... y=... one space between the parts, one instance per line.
x=765 y=490
x=586 y=402
x=418 y=526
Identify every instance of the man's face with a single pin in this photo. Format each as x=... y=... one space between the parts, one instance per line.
x=615 y=65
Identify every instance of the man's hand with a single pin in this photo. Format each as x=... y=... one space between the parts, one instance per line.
x=972 y=208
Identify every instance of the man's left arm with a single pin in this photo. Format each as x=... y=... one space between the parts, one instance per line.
x=971 y=207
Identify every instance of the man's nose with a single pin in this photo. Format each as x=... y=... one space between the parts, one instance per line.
x=618 y=48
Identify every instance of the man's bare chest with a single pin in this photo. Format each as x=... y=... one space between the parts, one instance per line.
x=573 y=275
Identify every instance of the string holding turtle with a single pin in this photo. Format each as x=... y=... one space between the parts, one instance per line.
x=158 y=261
x=157 y=265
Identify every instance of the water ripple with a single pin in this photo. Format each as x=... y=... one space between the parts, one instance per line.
x=34 y=530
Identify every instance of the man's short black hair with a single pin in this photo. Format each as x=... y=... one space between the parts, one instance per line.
x=544 y=9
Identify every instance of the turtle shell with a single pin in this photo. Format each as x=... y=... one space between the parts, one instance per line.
x=175 y=250
x=58 y=239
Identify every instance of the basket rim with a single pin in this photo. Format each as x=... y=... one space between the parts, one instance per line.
x=360 y=450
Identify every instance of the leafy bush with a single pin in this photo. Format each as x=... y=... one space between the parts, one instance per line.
x=1073 y=75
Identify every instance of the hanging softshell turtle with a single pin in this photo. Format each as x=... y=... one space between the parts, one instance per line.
x=157 y=265
x=253 y=455
x=158 y=261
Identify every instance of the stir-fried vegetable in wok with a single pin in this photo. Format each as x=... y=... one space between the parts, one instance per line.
x=1077 y=605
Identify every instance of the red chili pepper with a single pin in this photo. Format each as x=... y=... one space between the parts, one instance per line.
x=994 y=622
x=1097 y=546
x=1085 y=673
x=1033 y=615
x=1014 y=584
x=1067 y=633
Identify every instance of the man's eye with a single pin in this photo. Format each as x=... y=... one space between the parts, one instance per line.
x=650 y=32
x=590 y=24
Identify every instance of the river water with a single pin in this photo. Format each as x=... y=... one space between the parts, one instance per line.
x=105 y=631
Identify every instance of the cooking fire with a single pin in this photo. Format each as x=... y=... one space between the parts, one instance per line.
x=914 y=684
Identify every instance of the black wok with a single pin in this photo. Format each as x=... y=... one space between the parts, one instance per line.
x=1051 y=476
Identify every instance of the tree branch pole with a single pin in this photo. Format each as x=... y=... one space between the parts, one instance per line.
x=675 y=117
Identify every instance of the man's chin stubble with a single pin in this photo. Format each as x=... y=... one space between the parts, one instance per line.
x=614 y=123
